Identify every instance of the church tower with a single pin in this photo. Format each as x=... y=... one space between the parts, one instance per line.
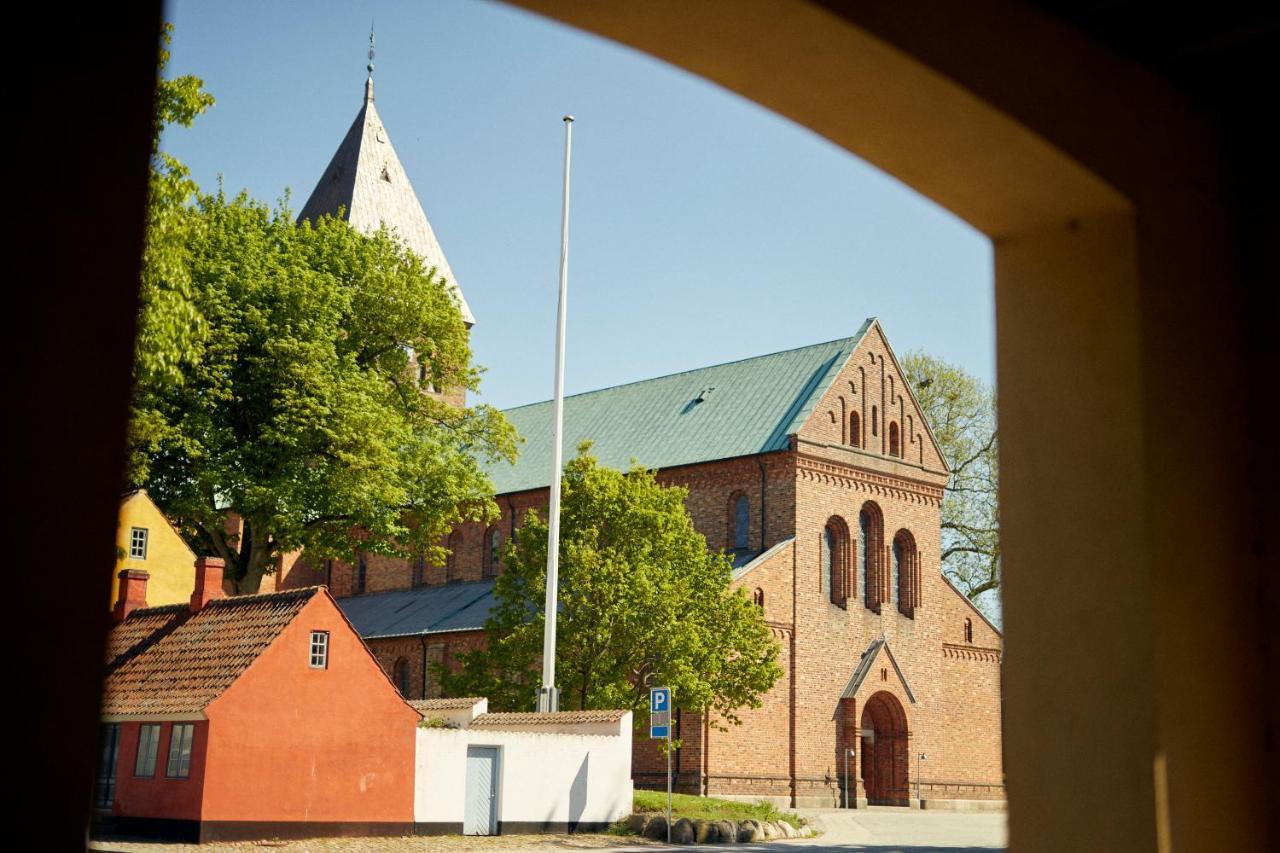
x=366 y=180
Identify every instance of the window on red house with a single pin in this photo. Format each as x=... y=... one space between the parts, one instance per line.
x=319 y=649
x=179 y=766
x=148 y=746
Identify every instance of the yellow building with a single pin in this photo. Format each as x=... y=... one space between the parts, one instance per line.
x=146 y=540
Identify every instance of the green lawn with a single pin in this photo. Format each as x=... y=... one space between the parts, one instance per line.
x=710 y=808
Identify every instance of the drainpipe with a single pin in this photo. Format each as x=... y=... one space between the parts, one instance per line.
x=760 y=463
x=423 y=638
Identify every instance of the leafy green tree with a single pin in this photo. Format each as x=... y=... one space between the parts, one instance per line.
x=298 y=420
x=642 y=603
x=169 y=323
x=961 y=409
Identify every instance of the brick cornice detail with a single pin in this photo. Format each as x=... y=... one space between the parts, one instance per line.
x=954 y=650
x=830 y=473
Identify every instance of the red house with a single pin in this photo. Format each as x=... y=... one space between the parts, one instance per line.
x=255 y=716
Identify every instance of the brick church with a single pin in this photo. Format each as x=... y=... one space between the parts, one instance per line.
x=815 y=468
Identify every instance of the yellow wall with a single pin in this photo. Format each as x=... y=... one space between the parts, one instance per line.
x=169 y=561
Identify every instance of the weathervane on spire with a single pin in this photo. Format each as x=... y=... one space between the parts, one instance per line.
x=368 y=84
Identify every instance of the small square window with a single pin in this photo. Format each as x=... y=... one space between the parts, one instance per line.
x=179 y=765
x=319 y=649
x=138 y=543
x=148 y=746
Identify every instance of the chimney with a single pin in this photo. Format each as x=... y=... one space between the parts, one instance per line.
x=208 y=582
x=133 y=593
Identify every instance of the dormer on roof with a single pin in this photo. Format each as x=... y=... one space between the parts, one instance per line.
x=366 y=181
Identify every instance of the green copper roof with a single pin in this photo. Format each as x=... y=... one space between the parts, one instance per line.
x=747 y=407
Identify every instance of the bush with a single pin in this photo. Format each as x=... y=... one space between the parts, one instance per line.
x=436 y=723
x=712 y=808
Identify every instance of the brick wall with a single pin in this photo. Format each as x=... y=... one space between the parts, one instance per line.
x=443 y=648
x=792 y=747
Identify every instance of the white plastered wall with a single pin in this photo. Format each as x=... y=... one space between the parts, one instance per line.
x=547 y=781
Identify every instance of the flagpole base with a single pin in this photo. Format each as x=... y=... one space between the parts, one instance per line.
x=548 y=699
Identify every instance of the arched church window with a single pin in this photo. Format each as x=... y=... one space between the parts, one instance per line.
x=741 y=523
x=895 y=445
x=968 y=630
x=758 y=598
x=362 y=574
x=895 y=571
x=493 y=553
x=402 y=676
x=451 y=561
x=870 y=551
x=825 y=561
x=835 y=560
x=855 y=430
x=875 y=421
x=906 y=573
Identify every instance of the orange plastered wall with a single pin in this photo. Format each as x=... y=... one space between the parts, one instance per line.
x=157 y=795
x=289 y=742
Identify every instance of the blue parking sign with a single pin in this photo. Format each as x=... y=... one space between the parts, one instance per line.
x=659 y=712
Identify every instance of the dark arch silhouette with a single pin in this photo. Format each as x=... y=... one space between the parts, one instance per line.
x=886 y=759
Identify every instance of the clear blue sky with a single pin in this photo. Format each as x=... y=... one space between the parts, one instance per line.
x=704 y=228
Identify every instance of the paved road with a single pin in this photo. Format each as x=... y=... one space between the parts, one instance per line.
x=883 y=830
x=892 y=829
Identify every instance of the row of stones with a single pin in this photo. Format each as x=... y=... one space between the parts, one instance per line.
x=685 y=831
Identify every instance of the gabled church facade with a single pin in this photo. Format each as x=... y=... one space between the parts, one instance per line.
x=816 y=469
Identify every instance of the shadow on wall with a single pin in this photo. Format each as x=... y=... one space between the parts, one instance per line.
x=578 y=794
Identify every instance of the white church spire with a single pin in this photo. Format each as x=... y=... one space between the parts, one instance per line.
x=368 y=83
x=366 y=180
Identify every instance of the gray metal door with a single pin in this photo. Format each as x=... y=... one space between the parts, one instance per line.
x=481 y=815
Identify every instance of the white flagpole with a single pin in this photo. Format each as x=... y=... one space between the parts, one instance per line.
x=549 y=696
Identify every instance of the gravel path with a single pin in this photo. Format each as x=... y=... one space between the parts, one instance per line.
x=442 y=844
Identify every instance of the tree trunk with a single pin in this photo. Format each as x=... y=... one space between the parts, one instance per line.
x=254 y=557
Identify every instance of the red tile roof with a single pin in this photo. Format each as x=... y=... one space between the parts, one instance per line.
x=167 y=660
x=553 y=718
x=460 y=704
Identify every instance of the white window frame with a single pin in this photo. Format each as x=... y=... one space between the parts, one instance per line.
x=181 y=736
x=144 y=765
x=319 y=650
x=135 y=539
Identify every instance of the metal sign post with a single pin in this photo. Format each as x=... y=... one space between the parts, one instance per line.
x=847 y=753
x=660 y=727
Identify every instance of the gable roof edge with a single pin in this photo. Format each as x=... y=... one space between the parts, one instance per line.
x=864 y=666
x=811 y=403
x=946 y=466
x=972 y=606
x=759 y=559
x=333 y=602
x=310 y=598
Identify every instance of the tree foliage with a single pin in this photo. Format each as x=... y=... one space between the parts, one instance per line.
x=642 y=603
x=961 y=410
x=169 y=325
x=274 y=405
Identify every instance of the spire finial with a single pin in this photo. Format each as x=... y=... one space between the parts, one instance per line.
x=368 y=84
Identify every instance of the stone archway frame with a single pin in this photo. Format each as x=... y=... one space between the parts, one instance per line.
x=885 y=755
x=1083 y=168
x=1102 y=191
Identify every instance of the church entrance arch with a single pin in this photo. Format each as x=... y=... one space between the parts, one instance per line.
x=885 y=752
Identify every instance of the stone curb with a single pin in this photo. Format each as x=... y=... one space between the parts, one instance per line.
x=685 y=831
